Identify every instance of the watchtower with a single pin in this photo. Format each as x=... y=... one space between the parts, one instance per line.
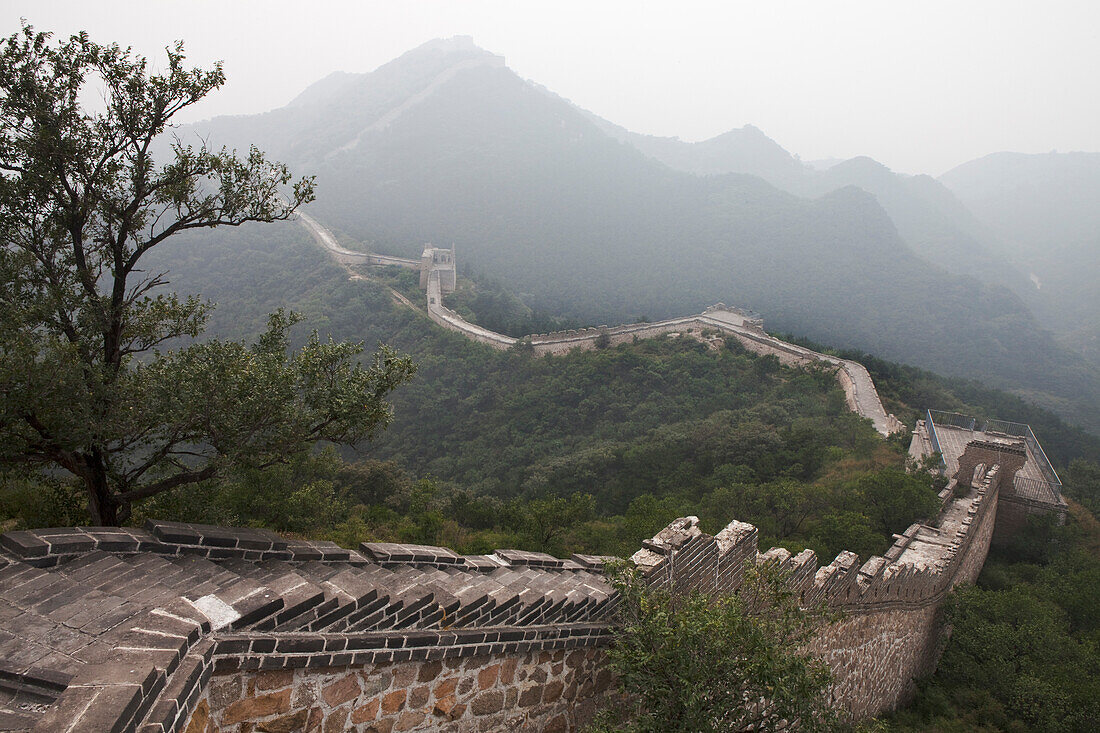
x=439 y=260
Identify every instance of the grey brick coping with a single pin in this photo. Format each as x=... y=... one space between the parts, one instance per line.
x=120 y=628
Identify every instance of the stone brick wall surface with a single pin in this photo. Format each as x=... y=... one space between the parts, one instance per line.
x=876 y=656
x=535 y=691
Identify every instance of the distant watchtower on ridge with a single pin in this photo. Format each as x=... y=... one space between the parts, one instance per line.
x=441 y=261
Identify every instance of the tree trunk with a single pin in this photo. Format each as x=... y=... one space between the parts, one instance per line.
x=101 y=504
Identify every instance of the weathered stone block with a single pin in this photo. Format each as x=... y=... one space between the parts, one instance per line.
x=367 y=712
x=487 y=677
x=418 y=697
x=261 y=706
x=285 y=724
x=429 y=671
x=445 y=688
x=487 y=702
x=393 y=702
x=508 y=670
x=444 y=706
x=409 y=719
x=274 y=680
x=337 y=721
x=342 y=690
x=384 y=725
x=530 y=696
x=200 y=718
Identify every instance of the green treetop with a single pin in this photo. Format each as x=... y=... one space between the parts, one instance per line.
x=85 y=391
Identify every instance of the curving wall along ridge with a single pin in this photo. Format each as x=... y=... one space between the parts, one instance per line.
x=190 y=627
x=859 y=388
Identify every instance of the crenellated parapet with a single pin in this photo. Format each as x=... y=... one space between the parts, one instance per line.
x=889 y=632
x=921 y=565
x=150 y=628
x=154 y=628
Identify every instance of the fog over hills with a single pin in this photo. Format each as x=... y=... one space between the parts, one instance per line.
x=589 y=221
x=928 y=217
x=1044 y=211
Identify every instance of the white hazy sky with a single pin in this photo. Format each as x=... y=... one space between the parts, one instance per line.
x=920 y=86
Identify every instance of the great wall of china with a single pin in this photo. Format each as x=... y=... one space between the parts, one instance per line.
x=438 y=277
x=181 y=627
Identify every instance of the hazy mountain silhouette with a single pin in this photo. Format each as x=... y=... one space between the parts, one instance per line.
x=1045 y=213
x=446 y=144
x=929 y=218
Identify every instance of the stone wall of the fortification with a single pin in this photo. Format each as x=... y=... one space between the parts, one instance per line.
x=890 y=632
x=874 y=657
x=877 y=652
x=1014 y=513
x=448 y=319
x=521 y=635
x=535 y=691
x=585 y=339
x=849 y=387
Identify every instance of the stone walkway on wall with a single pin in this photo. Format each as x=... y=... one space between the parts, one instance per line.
x=121 y=628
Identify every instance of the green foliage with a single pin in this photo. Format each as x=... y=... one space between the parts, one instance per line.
x=696 y=663
x=651 y=430
x=1082 y=481
x=1024 y=652
x=893 y=498
x=299 y=496
x=85 y=389
x=489 y=303
x=37 y=501
x=543 y=522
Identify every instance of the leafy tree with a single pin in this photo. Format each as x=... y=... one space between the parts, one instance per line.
x=698 y=663
x=1082 y=480
x=544 y=520
x=83 y=385
x=895 y=499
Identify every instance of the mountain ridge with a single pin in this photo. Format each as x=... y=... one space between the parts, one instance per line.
x=531 y=189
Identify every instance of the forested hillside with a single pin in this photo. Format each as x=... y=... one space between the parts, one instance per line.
x=448 y=145
x=597 y=450
x=937 y=226
x=649 y=431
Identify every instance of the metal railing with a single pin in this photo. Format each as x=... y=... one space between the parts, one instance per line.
x=1030 y=488
x=952 y=419
x=930 y=423
x=1026 y=487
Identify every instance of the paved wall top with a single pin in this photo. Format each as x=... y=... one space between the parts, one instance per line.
x=120 y=628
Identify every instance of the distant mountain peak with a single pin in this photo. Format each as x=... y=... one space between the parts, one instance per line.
x=434 y=56
x=458 y=46
x=450 y=45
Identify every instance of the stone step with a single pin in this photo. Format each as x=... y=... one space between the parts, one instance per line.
x=209 y=573
x=193 y=578
x=120 y=575
x=353 y=590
